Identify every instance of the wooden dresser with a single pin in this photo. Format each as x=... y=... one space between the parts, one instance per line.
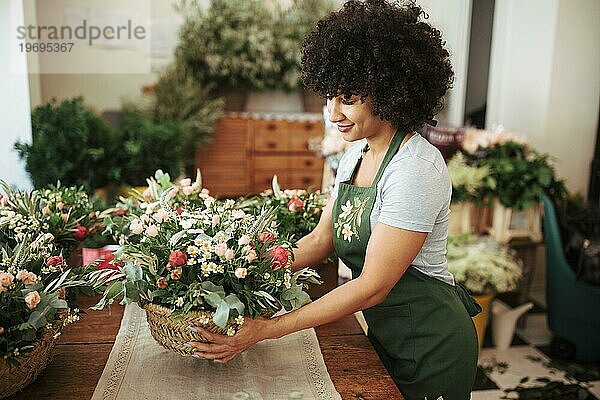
x=249 y=148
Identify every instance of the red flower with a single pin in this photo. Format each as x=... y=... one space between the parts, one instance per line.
x=54 y=261
x=280 y=257
x=295 y=204
x=266 y=237
x=109 y=263
x=177 y=258
x=162 y=283
x=179 y=210
x=80 y=233
x=120 y=212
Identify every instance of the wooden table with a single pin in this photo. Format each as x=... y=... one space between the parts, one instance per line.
x=83 y=351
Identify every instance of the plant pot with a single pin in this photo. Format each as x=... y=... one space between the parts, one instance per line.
x=13 y=379
x=481 y=319
x=460 y=218
x=313 y=103
x=273 y=101
x=508 y=224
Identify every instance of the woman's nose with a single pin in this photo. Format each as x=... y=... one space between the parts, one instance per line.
x=333 y=107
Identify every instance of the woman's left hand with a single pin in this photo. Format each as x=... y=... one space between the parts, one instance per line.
x=222 y=349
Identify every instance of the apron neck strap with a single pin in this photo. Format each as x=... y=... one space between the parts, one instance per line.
x=391 y=151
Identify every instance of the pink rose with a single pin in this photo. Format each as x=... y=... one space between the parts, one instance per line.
x=188 y=190
x=266 y=237
x=229 y=254
x=160 y=216
x=54 y=261
x=80 y=233
x=177 y=258
x=28 y=278
x=295 y=204
x=241 y=273
x=176 y=274
x=32 y=299
x=185 y=182
x=136 y=227
x=251 y=256
x=152 y=231
x=220 y=249
x=244 y=240
x=280 y=257
x=120 y=212
x=161 y=283
x=6 y=279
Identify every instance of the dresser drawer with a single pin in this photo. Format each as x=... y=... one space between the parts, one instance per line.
x=303 y=180
x=299 y=134
x=270 y=136
x=305 y=163
x=272 y=164
x=264 y=180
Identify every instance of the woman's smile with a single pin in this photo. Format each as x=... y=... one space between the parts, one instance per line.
x=345 y=128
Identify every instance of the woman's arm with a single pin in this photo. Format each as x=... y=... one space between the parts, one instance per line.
x=317 y=245
x=389 y=253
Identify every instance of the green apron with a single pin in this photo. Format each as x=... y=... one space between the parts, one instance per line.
x=422 y=331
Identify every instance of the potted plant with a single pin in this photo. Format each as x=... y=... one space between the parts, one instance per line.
x=209 y=264
x=518 y=176
x=72 y=144
x=484 y=268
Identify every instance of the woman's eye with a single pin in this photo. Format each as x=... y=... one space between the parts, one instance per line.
x=348 y=100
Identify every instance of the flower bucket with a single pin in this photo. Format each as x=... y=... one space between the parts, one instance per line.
x=171 y=333
x=481 y=319
x=13 y=379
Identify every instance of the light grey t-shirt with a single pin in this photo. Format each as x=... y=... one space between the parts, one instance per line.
x=413 y=194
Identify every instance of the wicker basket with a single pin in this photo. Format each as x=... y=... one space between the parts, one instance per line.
x=13 y=379
x=171 y=333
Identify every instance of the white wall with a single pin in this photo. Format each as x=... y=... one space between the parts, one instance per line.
x=14 y=100
x=453 y=19
x=544 y=79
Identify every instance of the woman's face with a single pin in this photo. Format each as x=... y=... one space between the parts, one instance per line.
x=354 y=118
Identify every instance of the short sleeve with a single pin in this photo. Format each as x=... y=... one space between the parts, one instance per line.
x=412 y=195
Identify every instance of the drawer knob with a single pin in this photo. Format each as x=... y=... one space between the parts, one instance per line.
x=308 y=163
x=271 y=127
x=271 y=145
x=306 y=180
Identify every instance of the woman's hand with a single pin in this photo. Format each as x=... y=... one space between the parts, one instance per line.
x=222 y=349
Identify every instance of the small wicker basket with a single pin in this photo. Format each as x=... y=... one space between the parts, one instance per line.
x=13 y=379
x=171 y=333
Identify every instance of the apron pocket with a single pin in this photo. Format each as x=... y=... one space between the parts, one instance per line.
x=473 y=308
x=393 y=328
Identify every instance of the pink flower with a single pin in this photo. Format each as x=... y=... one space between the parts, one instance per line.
x=3 y=201
x=188 y=190
x=54 y=261
x=80 y=233
x=161 y=283
x=220 y=249
x=32 y=299
x=280 y=257
x=245 y=239
x=196 y=186
x=28 y=278
x=216 y=219
x=241 y=273
x=147 y=194
x=266 y=237
x=136 y=227
x=46 y=210
x=229 y=254
x=160 y=216
x=185 y=182
x=251 y=256
x=152 y=231
x=60 y=205
x=65 y=217
x=6 y=279
x=176 y=274
x=208 y=201
x=177 y=258
x=120 y=212
x=295 y=204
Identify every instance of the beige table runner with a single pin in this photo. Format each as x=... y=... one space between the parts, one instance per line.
x=138 y=368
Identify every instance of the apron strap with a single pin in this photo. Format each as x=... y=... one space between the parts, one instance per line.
x=392 y=150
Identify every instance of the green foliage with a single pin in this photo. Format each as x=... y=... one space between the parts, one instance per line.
x=518 y=175
x=148 y=146
x=71 y=144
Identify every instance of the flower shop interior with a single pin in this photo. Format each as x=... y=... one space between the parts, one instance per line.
x=196 y=113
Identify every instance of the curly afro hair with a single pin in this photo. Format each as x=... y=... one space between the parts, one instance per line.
x=381 y=49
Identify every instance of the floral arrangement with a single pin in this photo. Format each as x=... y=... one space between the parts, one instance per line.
x=204 y=256
x=297 y=211
x=476 y=139
x=62 y=212
x=32 y=292
x=481 y=265
x=467 y=180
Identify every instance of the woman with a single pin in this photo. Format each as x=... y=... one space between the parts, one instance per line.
x=384 y=73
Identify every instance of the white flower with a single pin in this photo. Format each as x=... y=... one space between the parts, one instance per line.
x=192 y=250
x=229 y=203
x=152 y=231
x=185 y=182
x=237 y=214
x=179 y=302
x=204 y=319
x=347 y=232
x=136 y=227
x=160 y=216
x=346 y=210
x=244 y=240
x=230 y=331
x=241 y=273
x=187 y=223
x=229 y=254
x=208 y=201
x=239 y=320
x=188 y=190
